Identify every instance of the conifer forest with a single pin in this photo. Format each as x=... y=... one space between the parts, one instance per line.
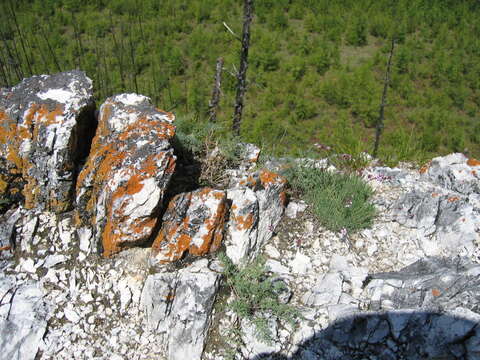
x=318 y=70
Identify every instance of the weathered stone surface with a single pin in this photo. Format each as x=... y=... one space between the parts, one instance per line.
x=448 y=220
x=241 y=239
x=432 y=282
x=272 y=200
x=193 y=222
x=121 y=188
x=258 y=202
x=46 y=125
x=23 y=319
x=455 y=172
x=179 y=305
x=8 y=232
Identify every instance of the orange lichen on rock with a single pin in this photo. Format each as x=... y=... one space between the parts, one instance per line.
x=121 y=187
x=434 y=195
x=194 y=222
x=244 y=222
x=473 y=162
x=424 y=168
x=436 y=292
x=453 y=199
x=268 y=177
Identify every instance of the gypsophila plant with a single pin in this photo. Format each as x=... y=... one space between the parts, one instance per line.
x=256 y=296
x=340 y=201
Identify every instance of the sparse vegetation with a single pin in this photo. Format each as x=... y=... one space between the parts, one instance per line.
x=207 y=142
x=341 y=201
x=256 y=296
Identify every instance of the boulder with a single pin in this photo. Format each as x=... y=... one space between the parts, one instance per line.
x=258 y=201
x=46 y=126
x=193 y=222
x=179 y=305
x=121 y=188
x=454 y=172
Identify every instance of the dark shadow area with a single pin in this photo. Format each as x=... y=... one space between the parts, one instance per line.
x=399 y=334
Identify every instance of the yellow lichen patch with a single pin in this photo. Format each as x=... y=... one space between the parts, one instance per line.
x=473 y=162
x=3 y=185
x=30 y=192
x=204 y=192
x=58 y=205
x=14 y=158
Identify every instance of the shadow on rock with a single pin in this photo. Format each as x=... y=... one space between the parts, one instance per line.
x=401 y=334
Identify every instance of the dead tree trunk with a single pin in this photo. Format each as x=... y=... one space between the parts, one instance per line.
x=242 y=72
x=381 y=115
x=213 y=105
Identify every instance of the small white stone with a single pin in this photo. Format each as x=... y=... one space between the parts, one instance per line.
x=301 y=264
x=28 y=265
x=71 y=315
x=272 y=251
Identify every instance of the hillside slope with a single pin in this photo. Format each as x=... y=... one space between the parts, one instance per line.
x=316 y=67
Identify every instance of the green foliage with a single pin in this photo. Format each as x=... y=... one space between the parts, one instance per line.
x=310 y=62
x=256 y=296
x=340 y=201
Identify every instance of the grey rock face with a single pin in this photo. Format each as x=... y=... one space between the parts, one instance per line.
x=23 y=319
x=242 y=231
x=258 y=202
x=46 y=127
x=179 y=305
x=426 y=310
x=450 y=219
x=434 y=283
x=455 y=172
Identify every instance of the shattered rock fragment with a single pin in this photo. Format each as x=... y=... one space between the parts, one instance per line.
x=193 y=222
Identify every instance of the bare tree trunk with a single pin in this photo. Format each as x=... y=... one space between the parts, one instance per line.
x=242 y=72
x=381 y=115
x=213 y=105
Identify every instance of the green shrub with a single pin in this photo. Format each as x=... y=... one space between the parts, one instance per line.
x=339 y=200
x=256 y=296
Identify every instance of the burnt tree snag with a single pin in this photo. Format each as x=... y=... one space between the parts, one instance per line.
x=242 y=72
x=381 y=115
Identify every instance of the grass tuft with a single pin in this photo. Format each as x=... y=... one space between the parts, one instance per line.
x=341 y=201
